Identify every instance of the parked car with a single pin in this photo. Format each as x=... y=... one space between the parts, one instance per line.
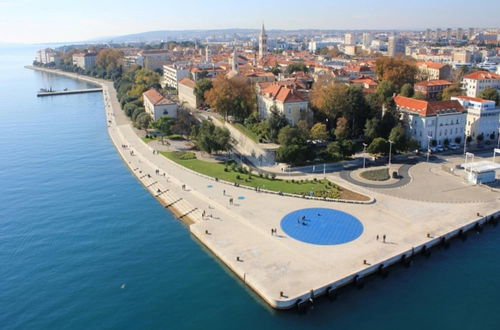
x=453 y=146
x=439 y=148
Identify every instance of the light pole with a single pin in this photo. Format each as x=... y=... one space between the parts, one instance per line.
x=465 y=144
x=428 y=147
x=390 y=151
x=364 y=154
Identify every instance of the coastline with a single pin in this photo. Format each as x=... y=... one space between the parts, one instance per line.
x=223 y=242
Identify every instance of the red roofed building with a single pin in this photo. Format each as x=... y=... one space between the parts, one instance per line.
x=474 y=83
x=431 y=88
x=441 y=121
x=283 y=95
x=433 y=71
x=186 y=93
x=157 y=105
x=367 y=83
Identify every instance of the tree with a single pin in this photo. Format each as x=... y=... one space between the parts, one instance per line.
x=295 y=154
x=319 y=132
x=372 y=128
x=129 y=109
x=210 y=138
x=291 y=135
x=407 y=90
x=398 y=138
x=136 y=113
x=275 y=123
x=396 y=70
x=164 y=125
x=296 y=66
x=109 y=59
x=342 y=128
x=378 y=146
x=142 y=121
x=232 y=97
x=453 y=90
x=183 y=124
x=419 y=96
x=490 y=94
x=341 y=149
x=201 y=87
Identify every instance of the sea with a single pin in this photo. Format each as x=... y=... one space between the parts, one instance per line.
x=84 y=246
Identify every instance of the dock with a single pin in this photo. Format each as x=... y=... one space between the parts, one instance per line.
x=74 y=91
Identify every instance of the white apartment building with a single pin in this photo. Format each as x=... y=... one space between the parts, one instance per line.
x=47 y=55
x=157 y=105
x=173 y=73
x=425 y=121
x=474 y=83
x=483 y=117
x=287 y=100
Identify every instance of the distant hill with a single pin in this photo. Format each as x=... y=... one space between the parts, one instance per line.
x=177 y=35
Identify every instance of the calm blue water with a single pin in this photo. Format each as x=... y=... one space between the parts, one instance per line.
x=75 y=225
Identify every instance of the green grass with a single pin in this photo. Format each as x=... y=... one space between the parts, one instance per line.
x=376 y=175
x=243 y=129
x=148 y=139
x=320 y=188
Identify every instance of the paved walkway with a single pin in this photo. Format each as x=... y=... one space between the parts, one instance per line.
x=277 y=267
x=403 y=173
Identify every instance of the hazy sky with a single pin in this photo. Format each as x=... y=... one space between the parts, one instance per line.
x=74 y=20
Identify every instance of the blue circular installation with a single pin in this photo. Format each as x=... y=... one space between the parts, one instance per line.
x=210 y=186
x=241 y=197
x=321 y=226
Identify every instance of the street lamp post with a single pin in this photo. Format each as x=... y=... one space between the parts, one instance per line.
x=390 y=151
x=428 y=147
x=364 y=154
x=465 y=144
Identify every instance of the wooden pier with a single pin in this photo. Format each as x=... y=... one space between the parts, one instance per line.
x=74 y=91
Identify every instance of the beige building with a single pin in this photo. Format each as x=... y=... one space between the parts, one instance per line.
x=433 y=71
x=462 y=56
x=174 y=73
x=288 y=101
x=85 y=61
x=153 y=59
x=186 y=93
x=157 y=105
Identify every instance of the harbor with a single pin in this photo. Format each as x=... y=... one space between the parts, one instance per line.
x=284 y=271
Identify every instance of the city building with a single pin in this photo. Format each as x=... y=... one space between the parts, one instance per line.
x=262 y=42
x=186 y=93
x=396 y=46
x=474 y=83
x=433 y=71
x=153 y=59
x=173 y=73
x=86 y=60
x=483 y=117
x=285 y=98
x=462 y=56
x=47 y=55
x=367 y=39
x=157 y=105
x=349 y=39
x=431 y=89
x=428 y=121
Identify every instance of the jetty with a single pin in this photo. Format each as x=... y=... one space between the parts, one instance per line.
x=67 y=91
x=281 y=255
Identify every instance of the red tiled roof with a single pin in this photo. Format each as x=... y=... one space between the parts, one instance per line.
x=479 y=75
x=434 y=83
x=282 y=93
x=474 y=99
x=427 y=108
x=156 y=98
x=432 y=65
x=187 y=82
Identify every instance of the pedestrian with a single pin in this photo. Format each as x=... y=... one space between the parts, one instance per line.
x=383 y=238
x=377 y=237
x=272 y=231
x=224 y=192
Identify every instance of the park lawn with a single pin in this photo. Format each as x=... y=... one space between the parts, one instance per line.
x=381 y=174
x=148 y=139
x=216 y=170
x=243 y=129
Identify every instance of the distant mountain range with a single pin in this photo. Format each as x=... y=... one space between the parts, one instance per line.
x=168 y=35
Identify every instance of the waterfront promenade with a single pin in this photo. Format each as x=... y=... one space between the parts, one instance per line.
x=277 y=267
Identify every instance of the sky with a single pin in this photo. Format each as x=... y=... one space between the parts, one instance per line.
x=36 y=21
